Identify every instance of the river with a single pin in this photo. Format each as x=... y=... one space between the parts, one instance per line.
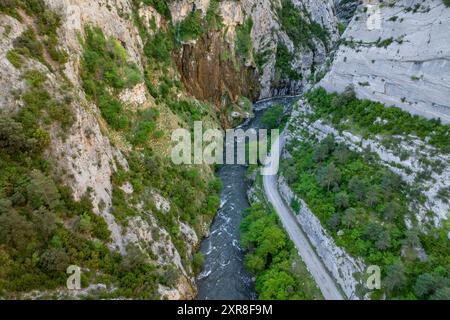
x=223 y=275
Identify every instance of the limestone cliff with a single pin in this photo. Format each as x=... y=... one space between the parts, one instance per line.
x=290 y=39
x=88 y=153
x=397 y=54
x=278 y=61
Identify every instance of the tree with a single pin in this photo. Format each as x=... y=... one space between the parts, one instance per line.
x=433 y=285
x=324 y=149
x=392 y=210
x=273 y=116
x=350 y=217
x=426 y=284
x=372 y=197
x=54 y=260
x=395 y=278
x=197 y=262
x=343 y=99
x=12 y=136
x=15 y=231
x=390 y=182
x=441 y=294
x=44 y=223
x=85 y=223
x=334 y=221
x=5 y=205
x=412 y=239
x=358 y=187
x=291 y=174
x=342 y=200
x=383 y=241
x=133 y=259
x=320 y=153
x=377 y=234
x=271 y=241
x=329 y=176
x=254 y=263
x=373 y=230
x=42 y=191
x=275 y=284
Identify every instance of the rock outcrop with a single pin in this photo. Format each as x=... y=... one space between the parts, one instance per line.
x=268 y=33
x=398 y=54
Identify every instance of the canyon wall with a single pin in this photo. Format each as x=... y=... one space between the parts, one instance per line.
x=398 y=54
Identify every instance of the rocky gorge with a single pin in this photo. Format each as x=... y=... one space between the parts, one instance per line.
x=92 y=90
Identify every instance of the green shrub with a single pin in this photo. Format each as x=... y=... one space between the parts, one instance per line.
x=28 y=45
x=191 y=27
x=159 y=47
x=243 y=39
x=14 y=57
x=362 y=200
x=272 y=118
x=213 y=18
x=283 y=63
x=160 y=6
x=197 y=262
x=300 y=27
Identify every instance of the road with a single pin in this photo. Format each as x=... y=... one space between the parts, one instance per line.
x=323 y=279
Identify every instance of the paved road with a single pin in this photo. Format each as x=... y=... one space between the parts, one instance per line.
x=323 y=279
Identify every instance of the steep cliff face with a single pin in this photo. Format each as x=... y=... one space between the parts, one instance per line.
x=99 y=86
x=397 y=54
x=80 y=81
x=290 y=39
x=270 y=47
x=210 y=66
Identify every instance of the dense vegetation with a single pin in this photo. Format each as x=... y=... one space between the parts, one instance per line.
x=283 y=65
x=273 y=259
x=194 y=25
x=300 y=27
x=161 y=6
x=42 y=229
x=370 y=118
x=363 y=205
x=243 y=39
x=271 y=256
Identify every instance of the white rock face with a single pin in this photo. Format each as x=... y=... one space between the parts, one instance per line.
x=148 y=14
x=180 y=9
x=232 y=16
x=135 y=96
x=10 y=77
x=413 y=72
x=88 y=157
x=161 y=203
x=339 y=263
